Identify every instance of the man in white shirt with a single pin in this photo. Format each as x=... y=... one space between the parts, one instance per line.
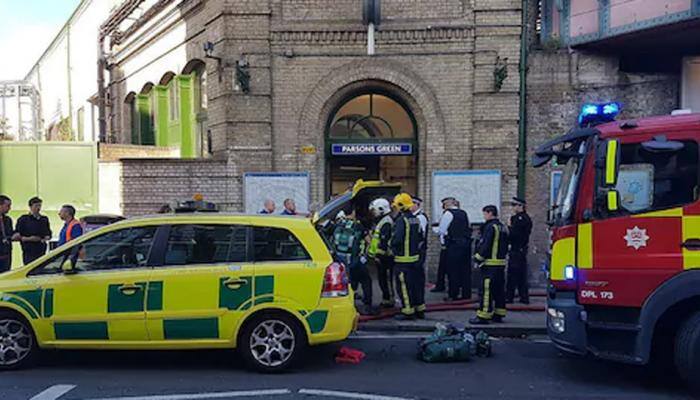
x=417 y=210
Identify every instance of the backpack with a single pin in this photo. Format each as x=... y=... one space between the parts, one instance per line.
x=453 y=343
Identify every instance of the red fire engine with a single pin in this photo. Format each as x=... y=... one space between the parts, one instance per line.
x=624 y=276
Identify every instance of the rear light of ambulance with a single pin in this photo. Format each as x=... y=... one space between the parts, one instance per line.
x=335 y=281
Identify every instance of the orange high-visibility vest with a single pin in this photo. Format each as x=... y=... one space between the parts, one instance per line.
x=69 y=229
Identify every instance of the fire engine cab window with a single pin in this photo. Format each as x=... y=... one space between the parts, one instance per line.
x=651 y=181
x=274 y=244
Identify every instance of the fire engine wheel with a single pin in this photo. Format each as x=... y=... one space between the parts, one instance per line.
x=687 y=351
x=271 y=342
x=18 y=348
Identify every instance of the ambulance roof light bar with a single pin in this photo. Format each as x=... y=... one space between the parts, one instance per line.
x=598 y=113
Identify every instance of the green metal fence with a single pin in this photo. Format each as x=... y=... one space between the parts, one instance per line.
x=58 y=172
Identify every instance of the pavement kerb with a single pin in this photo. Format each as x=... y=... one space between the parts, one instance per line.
x=498 y=330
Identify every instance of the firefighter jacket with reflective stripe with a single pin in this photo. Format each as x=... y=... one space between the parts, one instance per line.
x=381 y=235
x=406 y=240
x=493 y=245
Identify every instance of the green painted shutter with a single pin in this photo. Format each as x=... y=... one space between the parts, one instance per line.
x=143 y=103
x=161 y=93
x=188 y=147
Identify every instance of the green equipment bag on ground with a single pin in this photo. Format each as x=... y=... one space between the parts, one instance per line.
x=453 y=343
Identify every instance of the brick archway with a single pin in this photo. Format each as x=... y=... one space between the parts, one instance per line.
x=392 y=77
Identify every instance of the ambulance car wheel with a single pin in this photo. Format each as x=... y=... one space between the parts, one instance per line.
x=271 y=341
x=18 y=348
x=687 y=351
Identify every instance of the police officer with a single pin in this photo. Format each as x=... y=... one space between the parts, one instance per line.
x=380 y=249
x=441 y=272
x=7 y=234
x=491 y=257
x=424 y=223
x=405 y=245
x=519 y=237
x=455 y=234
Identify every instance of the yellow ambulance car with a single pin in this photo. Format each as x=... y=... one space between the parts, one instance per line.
x=265 y=285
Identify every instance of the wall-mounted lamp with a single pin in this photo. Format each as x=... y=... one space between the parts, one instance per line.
x=209 y=53
x=243 y=75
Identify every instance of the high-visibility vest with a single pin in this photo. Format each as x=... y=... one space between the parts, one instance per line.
x=376 y=247
x=69 y=229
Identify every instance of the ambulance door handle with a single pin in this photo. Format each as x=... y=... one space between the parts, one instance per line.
x=235 y=284
x=691 y=244
x=129 y=290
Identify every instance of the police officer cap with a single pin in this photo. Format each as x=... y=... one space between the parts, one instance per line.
x=447 y=199
x=417 y=199
x=519 y=201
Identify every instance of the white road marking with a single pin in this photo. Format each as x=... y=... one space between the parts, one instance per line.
x=54 y=392
x=349 y=395
x=198 y=396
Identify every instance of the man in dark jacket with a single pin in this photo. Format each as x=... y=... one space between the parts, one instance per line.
x=33 y=232
x=491 y=257
x=6 y=234
x=519 y=237
x=455 y=234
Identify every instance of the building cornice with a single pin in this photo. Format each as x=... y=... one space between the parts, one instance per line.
x=429 y=35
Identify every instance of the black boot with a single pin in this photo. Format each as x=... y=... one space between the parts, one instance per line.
x=479 y=321
x=420 y=314
x=405 y=317
x=497 y=319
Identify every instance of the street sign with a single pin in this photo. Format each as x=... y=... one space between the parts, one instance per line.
x=372 y=149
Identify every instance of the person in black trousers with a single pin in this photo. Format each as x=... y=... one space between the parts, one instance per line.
x=520 y=229
x=6 y=234
x=456 y=237
x=441 y=272
x=33 y=232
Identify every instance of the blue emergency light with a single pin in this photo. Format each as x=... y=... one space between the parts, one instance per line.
x=593 y=114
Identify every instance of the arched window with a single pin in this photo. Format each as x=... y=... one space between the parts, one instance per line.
x=372 y=116
x=132 y=119
x=197 y=69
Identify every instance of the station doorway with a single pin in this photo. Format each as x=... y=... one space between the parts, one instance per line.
x=371 y=136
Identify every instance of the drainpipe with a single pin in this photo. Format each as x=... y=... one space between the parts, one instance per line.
x=522 y=132
x=101 y=92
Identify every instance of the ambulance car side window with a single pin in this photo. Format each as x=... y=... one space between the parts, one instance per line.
x=205 y=244
x=277 y=244
x=124 y=248
x=650 y=181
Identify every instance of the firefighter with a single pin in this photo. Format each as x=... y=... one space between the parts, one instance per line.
x=349 y=242
x=491 y=258
x=405 y=245
x=380 y=251
x=417 y=211
x=455 y=234
x=519 y=237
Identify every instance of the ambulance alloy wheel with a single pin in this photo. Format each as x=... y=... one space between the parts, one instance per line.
x=687 y=351
x=271 y=342
x=17 y=342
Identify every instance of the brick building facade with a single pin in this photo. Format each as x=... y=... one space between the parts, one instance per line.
x=436 y=60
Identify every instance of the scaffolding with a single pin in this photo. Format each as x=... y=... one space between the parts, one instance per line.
x=19 y=111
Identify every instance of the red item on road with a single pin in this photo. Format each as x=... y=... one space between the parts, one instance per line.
x=347 y=355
